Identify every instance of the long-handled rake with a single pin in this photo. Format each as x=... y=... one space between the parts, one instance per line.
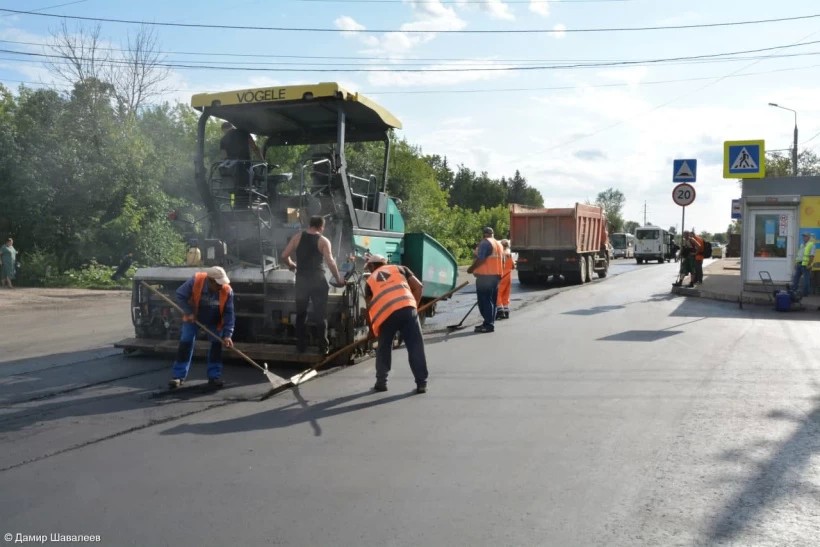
x=275 y=381
x=312 y=371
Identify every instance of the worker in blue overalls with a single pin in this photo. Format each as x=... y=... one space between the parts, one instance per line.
x=206 y=297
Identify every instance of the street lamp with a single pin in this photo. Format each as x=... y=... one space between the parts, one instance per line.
x=794 y=151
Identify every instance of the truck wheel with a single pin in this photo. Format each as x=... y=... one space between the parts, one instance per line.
x=526 y=278
x=590 y=268
x=602 y=273
x=639 y=260
x=580 y=277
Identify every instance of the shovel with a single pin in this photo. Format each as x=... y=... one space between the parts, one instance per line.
x=459 y=325
x=275 y=381
x=311 y=372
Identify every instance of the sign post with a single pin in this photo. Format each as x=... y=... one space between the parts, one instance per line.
x=683 y=195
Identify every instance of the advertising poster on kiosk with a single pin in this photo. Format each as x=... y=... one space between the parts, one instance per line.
x=810 y=222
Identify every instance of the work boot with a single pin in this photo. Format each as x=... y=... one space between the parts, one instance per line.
x=216 y=383
x=380 y=386
x=421 y=387
x=175 y=383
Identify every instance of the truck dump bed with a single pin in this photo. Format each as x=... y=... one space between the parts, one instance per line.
x=576 y=228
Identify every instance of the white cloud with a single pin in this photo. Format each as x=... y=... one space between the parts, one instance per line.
x=349 y=24
x=498 y=10
x=443 y=75
x=540 y=7
x=560 y=31
x=428 y=15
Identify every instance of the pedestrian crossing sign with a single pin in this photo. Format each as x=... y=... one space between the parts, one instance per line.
x=744 y=159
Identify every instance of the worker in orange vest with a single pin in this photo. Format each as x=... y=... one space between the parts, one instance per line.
x=700 y=245
x=392 y=294
x=206 y=297
x=505 y=285
x=488 y=267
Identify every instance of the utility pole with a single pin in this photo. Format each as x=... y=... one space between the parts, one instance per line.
x=794 y=149
x=644 y=213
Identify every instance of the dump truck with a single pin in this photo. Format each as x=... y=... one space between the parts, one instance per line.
x=570 y=243
x=254 y=207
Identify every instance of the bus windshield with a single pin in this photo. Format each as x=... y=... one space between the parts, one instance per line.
x=647 y=234
x=618 y=241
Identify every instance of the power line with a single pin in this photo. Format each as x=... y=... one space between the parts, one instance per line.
x=302 y=67
x=414 y=31
x=451 y=59
x=52 y=7
x=510 y=89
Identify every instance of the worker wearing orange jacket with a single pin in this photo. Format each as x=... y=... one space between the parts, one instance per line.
x=488 y=267
x=699 y=247
x=505 y=285
x=392 y=294
x=206 y=297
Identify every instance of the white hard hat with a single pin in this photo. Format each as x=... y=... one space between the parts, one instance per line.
x=218 y=274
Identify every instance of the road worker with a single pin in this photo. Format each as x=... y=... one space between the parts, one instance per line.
x=505 y=285
x=206 y=297
x=488 y=267
x=312 y=250
x=803 y=261
x=392 y=294
x=700 y=245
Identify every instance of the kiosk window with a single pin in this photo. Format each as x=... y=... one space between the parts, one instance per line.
x=768 y=241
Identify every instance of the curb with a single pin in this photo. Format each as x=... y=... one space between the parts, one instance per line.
x=723 y=297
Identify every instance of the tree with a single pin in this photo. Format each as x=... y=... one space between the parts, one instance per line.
x=612 y=202
x=444 y=175
x=630 y=226
x=779 y=165
x=136 y=75
x=141 y=75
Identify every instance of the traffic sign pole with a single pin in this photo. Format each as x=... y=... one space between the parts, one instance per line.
x=682 y=224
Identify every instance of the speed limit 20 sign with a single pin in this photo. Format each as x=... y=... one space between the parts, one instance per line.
x=683 y=194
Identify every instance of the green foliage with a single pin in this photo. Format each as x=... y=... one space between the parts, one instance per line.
x=612 y=202
x=630 y=226
x=94 y=276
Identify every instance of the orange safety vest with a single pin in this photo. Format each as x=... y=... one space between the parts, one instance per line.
x=699 y=248
x=199 y=284
x=493 y=264
x=391 y=292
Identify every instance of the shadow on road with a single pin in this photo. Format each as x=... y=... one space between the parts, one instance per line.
x=287 y=416
x=784 y=474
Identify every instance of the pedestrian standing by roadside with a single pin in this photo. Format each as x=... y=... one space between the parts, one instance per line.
x=803 y=261
x=505 y=285
x=700 y=245
x=8 y=270
x=206 y=297
x=393 y=294
x=488 y=267
x=311 y=249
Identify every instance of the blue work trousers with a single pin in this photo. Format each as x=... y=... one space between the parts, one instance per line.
x=805 y=287
x=405 y=321
x=486 y=290
x=185 y=352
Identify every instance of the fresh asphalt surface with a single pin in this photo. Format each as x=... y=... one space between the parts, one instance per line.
x=613 y=413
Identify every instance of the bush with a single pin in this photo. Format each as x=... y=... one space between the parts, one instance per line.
x=95 y=276
x=37 y=268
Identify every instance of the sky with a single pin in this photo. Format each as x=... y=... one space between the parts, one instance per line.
x=567 y=92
